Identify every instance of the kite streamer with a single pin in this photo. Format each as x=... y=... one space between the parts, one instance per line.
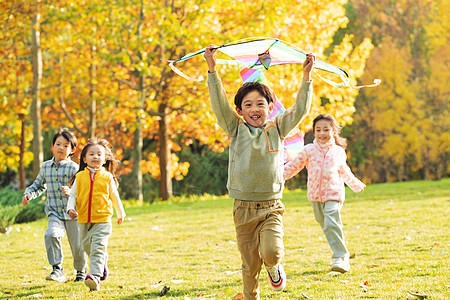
x=293 y=142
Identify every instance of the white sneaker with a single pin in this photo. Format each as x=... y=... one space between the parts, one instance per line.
x=56 y=275
x=277 y=277
x=92 y=282
x=340 y=264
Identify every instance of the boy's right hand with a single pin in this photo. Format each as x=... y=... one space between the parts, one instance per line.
x=72 y=213
x=210 y=58
x=25 y=199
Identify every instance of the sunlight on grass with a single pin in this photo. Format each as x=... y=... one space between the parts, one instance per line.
x=398 y=234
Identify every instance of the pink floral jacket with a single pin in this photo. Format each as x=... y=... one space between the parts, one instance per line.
x=327 y=172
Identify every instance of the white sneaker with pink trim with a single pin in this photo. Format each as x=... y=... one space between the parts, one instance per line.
x=277 y=277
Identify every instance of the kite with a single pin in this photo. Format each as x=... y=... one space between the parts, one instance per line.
x=262 y=53
x=253 y=55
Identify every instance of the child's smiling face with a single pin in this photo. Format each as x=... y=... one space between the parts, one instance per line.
x=255 y=109
x=323 y=131
x=95 y=156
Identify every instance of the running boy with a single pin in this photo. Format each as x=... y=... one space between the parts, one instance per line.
x=53 y=178
x=255 y=170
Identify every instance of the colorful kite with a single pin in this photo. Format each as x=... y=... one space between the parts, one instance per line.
x=253 y=55
x=262 y=53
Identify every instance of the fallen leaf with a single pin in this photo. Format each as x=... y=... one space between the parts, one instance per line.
x=231 y=272
x=239 y=296
x=418 y=295
x=364 y=286
x=352 y=255
x=164 y=290
x=154 y=286
x=176 y=280
x=305 y=296
x=120 y=286
x=372 y=266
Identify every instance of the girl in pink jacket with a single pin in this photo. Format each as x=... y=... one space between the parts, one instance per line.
x=325 y=160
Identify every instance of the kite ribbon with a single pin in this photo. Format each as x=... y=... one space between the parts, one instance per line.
x=293 y=142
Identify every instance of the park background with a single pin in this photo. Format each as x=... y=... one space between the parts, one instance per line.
x=96 y=68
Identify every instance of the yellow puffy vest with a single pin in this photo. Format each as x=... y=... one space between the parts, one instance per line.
x=93 y=202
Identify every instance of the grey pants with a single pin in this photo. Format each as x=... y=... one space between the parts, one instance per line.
x=328 y=214
x=94 y=237
x=55 y=231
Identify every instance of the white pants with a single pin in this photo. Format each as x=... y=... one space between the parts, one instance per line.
x=328 y=214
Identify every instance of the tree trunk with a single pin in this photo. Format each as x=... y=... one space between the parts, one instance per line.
x=138 y=144
x=36 y=90
x=22 y=185
x=93 y=108
x=138 y=134
x=164 y=153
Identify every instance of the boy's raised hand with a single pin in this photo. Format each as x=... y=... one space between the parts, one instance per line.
x=308 y=65
x=210 y=58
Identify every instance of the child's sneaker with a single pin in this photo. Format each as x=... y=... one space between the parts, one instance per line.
x=340 y=264
x=80 y=276
x=92 y=282
x=105 y=270
x=277 y=277
x=56 y=275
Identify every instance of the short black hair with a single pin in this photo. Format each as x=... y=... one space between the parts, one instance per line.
x=68 y=135
x=248 y=87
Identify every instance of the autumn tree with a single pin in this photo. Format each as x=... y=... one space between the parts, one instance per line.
x=15 y=87
x=402 y=126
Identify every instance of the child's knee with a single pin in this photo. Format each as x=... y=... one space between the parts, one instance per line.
x=272 y=257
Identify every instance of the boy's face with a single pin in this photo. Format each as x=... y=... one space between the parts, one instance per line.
x=61 y=149
x=255 y=109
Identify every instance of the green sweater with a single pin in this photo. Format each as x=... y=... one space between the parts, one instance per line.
x=256 y=161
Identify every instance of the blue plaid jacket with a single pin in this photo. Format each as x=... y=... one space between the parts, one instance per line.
x=52 y=176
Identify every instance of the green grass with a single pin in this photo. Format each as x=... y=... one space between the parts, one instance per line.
x=398 y=233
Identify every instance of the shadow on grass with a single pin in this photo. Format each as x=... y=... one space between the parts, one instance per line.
x=9 y=294
x=180 y=292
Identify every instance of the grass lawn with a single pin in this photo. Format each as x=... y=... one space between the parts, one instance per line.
x=398 y=234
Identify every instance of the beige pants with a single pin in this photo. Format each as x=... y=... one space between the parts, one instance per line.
x=259 y=235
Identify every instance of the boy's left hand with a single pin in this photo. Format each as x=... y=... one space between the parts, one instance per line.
x=308 y=65
x=66 y=190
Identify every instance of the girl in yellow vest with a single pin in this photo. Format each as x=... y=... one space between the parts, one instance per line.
x=92 y=197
